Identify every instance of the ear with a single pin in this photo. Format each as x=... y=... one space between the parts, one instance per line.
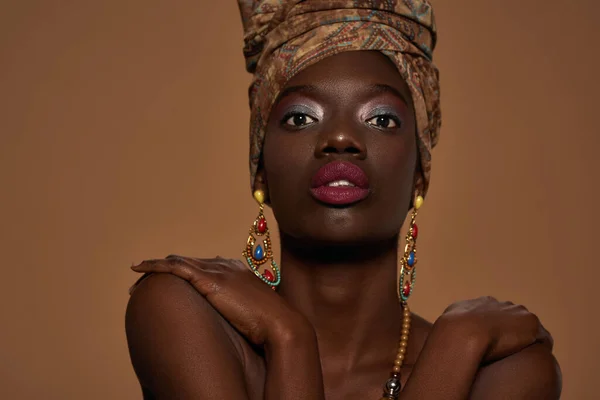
x=260 y=183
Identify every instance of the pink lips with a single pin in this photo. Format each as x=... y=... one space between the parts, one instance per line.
x=340 y=195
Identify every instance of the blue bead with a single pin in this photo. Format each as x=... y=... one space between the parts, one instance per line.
x=259 y=254
x=411 y=259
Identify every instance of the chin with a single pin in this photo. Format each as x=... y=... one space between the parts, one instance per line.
x=345 y=227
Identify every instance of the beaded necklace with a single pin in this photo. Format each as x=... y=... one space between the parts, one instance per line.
x=392 y=387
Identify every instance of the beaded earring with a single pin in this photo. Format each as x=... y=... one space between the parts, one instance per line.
x=256 y=254
x=406 y=283
x=409 y=258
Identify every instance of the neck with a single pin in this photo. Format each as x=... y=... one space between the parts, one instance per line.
x=348 y=293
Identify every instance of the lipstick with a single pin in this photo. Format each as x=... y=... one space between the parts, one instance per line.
x=340 y=183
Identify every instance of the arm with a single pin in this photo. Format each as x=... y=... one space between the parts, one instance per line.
x=531 y=374
x=449 y=368
x=508 y=341
x=294 y=366
x=447 y=364
x=180 y=349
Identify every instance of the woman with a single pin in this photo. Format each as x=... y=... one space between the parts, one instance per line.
x=345 y=111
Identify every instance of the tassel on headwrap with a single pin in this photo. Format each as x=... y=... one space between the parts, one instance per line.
x=284 y=37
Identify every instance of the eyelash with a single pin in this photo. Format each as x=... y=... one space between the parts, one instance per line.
x=293 y=114
x=391 y=116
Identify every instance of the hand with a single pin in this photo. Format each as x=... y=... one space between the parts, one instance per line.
x=251 y=306
x=501 y=328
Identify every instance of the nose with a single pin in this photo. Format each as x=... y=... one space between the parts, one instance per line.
x=341 y=139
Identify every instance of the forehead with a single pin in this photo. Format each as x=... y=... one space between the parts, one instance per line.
x=351 y=69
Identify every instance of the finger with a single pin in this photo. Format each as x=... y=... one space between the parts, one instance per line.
x=182 y=258
x=205 y=283
x=179 y=257
x=171 y=266
x=215 y=260
x=490 y=299
x=207 y=265
x=146 y=264
x=219 y=263
x=545 y=337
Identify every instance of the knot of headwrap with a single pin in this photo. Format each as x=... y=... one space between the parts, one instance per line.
x=284 y=37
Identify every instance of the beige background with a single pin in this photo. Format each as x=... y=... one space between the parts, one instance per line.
x=123 y=136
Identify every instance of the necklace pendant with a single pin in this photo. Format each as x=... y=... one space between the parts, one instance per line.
x=391 y=390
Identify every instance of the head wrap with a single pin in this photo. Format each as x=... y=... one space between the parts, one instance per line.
x=282 y=37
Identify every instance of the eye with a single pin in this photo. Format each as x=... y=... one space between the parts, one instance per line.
x=385 y=121
x=298 y=120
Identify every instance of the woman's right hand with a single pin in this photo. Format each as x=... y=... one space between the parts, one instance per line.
x=248 y=304
x=500 y=328
x=262 y=316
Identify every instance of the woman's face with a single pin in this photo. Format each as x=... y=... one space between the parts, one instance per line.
x=346 y=111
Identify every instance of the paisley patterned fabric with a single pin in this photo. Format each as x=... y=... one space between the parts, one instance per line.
x=284 y=37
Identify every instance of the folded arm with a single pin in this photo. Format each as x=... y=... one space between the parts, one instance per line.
x=531 y=374
x=180 y=348
x=452 y=366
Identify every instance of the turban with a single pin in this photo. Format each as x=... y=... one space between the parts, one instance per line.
x=282 y=37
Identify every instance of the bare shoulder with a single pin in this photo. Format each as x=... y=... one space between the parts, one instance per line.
x=419 y=331
x=158 y=296
x=178 y=343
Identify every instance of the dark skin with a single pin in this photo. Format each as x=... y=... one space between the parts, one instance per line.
x=209 y=329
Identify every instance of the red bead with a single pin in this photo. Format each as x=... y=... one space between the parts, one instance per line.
x=415 y=231
x=269 y=275
x=261 y=227
x=406 y=289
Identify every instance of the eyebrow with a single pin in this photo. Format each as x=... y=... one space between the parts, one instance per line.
x=295 y=89
x=374 y=88
x=383 y=88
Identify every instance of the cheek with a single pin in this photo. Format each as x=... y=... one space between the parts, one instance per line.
x=285 y=157
x=397 y=160
x=285 y=160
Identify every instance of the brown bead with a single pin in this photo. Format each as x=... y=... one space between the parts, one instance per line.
x=399 y=356
x=398 y=362
x=404 y=338
x=405 y=331
x=397 y=369
x=402 y=344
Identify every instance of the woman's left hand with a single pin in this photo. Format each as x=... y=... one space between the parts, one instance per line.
x=248 y=304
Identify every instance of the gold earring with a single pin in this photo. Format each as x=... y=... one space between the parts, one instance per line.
x=408 y=262
x=256 y=254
